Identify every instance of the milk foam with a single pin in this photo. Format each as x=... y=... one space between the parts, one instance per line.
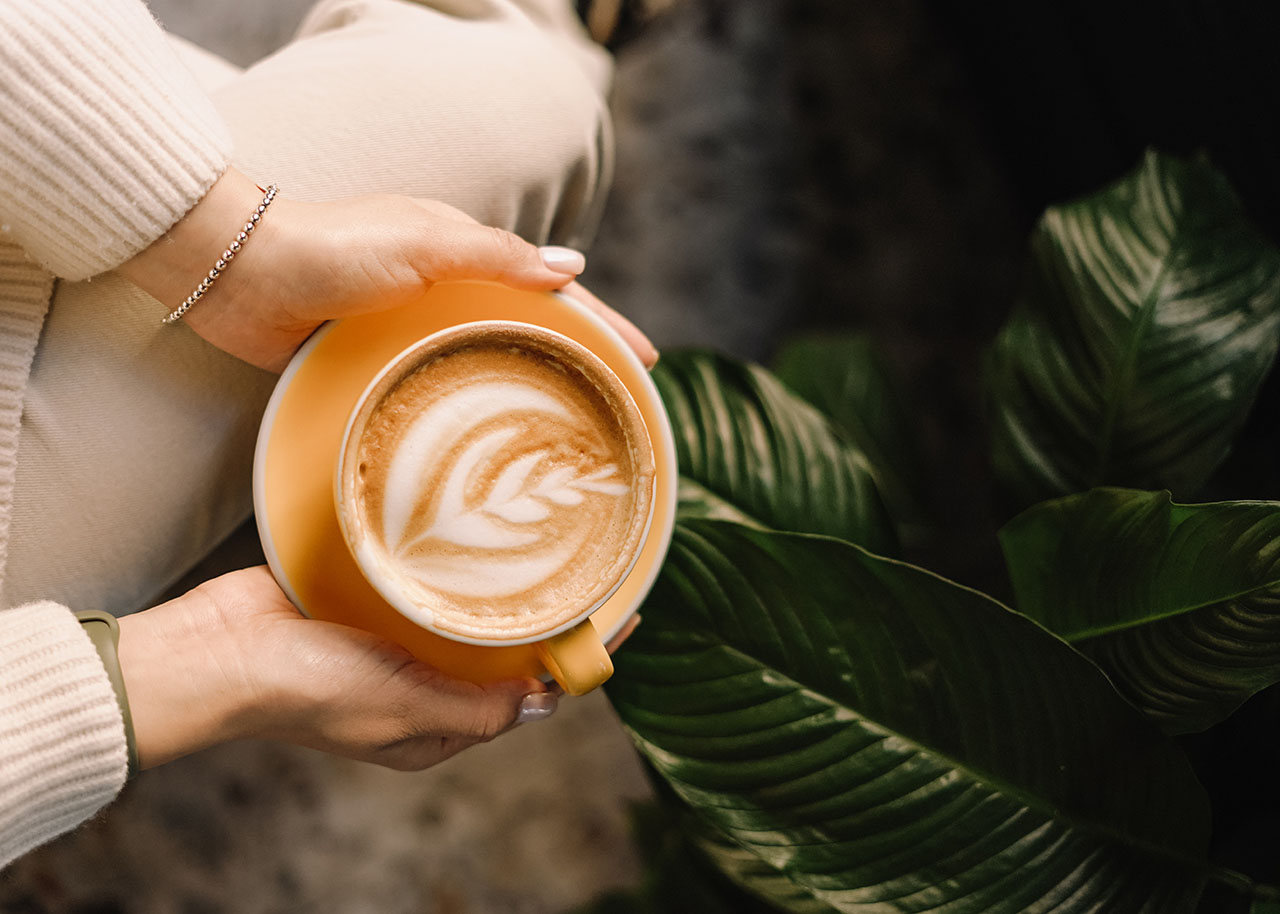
x=502 y=489
x=436 y=432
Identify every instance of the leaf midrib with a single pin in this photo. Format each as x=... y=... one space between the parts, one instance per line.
x=1101 y=630
x=1122 y=381
x=996 y=783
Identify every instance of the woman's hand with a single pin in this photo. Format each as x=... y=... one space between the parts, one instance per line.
x=309 y=262
x=234 y=659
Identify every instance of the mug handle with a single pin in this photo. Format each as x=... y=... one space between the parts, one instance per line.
x=576 y=658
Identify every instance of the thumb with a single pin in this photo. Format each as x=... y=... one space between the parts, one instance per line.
x=465 y=250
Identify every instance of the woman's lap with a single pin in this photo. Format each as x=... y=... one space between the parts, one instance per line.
x=135 y=453
x=495 y=116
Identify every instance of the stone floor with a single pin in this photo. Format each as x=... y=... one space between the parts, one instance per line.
x=782 y=164
x=532 y=823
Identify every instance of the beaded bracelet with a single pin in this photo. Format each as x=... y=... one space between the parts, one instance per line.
x=232 y=249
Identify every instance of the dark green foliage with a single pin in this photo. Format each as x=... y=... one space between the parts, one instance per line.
x=874 y=732
x=834 y=730
x=1179 y=604
x=1146 y=325
x=748 y=440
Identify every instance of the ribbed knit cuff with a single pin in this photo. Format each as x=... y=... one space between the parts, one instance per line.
x=105 y=139
x=62 y=740
x=24 y=300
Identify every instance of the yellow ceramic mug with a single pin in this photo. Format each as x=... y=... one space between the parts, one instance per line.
x=302 y=430
x=480 y=474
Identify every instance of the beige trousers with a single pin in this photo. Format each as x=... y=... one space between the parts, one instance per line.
x=137 y=440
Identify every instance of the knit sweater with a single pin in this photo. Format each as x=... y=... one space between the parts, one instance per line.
x=105 y=142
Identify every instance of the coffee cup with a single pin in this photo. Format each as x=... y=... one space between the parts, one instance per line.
x=495 y=484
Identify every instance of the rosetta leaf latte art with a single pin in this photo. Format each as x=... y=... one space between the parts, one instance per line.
x=506 y=490
x=518 y=520
x=513 y=500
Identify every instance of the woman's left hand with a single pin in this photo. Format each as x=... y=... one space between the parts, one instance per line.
x=306 y=263
x=233 y=659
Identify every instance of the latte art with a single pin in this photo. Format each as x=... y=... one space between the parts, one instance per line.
x=503 y=487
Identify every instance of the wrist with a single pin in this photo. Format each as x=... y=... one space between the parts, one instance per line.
x=173 y=265
x=239 y=313
x=186 y=684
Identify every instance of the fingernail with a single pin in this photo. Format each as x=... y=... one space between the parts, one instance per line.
x=536 y=706
x=563 y=260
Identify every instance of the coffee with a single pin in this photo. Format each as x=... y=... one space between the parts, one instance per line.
x=500 y=479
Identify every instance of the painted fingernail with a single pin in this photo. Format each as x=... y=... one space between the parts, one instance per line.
x=563 y=260
x=536 y=706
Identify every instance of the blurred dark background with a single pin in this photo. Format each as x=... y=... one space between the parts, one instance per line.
x=783 y=166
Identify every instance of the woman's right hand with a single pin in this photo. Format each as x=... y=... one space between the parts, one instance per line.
x=311 y=262
x=234 y=659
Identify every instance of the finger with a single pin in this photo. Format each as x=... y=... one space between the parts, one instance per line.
x=477 y=713
x=632 y=334
x=465 y=250
x=635 y=338
x=416 y=753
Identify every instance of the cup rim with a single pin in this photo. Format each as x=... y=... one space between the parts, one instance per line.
x=393 y=595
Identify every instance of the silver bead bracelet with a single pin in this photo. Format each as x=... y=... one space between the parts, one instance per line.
x=227 y=256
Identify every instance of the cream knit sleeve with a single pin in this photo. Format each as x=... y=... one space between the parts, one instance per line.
x=105 y=138
x=62 y=742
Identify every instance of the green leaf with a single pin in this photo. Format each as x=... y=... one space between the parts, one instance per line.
x=746 y=439
x=891 y=741
x=1146 y=326
x=696 y=501
x=845 y=378
x=752 y=874
x=1179 y=604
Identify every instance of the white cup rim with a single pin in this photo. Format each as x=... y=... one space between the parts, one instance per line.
x=366 y=561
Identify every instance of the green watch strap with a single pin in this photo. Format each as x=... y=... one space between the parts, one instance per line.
x=104 y=632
